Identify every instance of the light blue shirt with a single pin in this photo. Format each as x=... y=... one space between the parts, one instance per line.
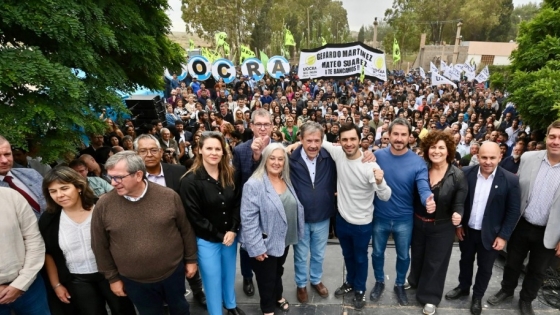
x=311 y=165
x=541 y=198
x=481 y=193
x=157 y=178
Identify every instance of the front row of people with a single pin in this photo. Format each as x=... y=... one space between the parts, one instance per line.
x=121 y=252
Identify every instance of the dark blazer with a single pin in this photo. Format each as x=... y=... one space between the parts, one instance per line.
x=49 y=226
x=243 y=162
x=502 y=209
x=172 y=174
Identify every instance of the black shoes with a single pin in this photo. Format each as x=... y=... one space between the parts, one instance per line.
x=401 y=295
x=359 y=300
x=235 y=311
x=476 y=306
x=456 y=293
x=375 y=293
x=343 y=289
x=248 y=286
x=499 y=297
x=200 y=297
x=526 y=308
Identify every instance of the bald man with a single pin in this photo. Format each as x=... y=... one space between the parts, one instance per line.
x=491 y=213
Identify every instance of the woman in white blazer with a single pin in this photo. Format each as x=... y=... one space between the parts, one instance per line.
x=271 y=220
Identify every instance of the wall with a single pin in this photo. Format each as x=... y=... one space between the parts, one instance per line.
x=433 y=52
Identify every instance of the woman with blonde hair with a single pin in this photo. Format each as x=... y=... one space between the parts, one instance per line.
x=212 y=201
x=272 y=220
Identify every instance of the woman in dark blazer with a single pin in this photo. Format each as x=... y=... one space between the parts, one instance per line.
x=271 y=220
x=211 y=201
x=69 y=262
x=434 y=232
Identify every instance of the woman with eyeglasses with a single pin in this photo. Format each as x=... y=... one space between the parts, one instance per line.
x=69 y=261
x=212 y=202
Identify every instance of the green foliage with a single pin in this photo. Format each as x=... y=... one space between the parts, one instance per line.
x=499 y=76
x=119 y=45
x=361 y=34
x=261 y=23
x=482 y=20
x=522 y=13
x=534 y=84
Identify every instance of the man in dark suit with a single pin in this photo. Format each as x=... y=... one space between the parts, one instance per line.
x=167 y=175
x=246 y=158
x=491 y=213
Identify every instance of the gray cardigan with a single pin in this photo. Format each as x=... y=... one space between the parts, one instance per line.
x=262 y=212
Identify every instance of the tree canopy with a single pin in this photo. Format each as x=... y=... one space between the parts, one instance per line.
x=118 y=46
x=534 y=82
x=260 y=23
x=482 y=21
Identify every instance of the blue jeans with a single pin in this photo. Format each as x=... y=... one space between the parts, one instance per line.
x=149 y=297
x=354 y=241
x=217 y=269
x=314 y=240
x=402 y=235
x=31 y=302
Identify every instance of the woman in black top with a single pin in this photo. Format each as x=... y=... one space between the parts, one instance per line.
x=212 y=203
x=69 y=261
x=434 y=233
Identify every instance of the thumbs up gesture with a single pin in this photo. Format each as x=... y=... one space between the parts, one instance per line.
x=430 y=204
x=258 y=146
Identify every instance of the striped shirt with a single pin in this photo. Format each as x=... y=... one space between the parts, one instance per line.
x=540 y=199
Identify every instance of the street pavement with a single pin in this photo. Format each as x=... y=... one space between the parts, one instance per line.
x=333 y=277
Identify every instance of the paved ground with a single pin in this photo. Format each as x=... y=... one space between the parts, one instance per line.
x=333 y=277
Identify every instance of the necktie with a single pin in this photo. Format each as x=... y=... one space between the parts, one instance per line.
x=30 y=200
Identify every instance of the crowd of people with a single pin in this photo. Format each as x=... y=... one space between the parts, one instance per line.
x=262 y=166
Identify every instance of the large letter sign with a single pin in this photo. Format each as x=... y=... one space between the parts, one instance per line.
x=199 y=67
x=224 y=69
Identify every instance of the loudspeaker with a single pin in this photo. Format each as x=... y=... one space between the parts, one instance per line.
x=145 y=108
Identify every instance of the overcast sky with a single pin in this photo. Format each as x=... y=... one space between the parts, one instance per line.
x=357 y=16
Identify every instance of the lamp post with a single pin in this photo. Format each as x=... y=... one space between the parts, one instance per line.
x=375 y=32
x=308 y=27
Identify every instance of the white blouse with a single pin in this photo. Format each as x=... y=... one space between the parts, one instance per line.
x=74 y=240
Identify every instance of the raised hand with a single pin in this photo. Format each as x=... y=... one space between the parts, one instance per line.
x=258 y=146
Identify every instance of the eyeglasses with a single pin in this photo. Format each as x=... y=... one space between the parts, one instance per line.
x=144 y=152
x=261 y=125
x=118 y=179
x=432 y=126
